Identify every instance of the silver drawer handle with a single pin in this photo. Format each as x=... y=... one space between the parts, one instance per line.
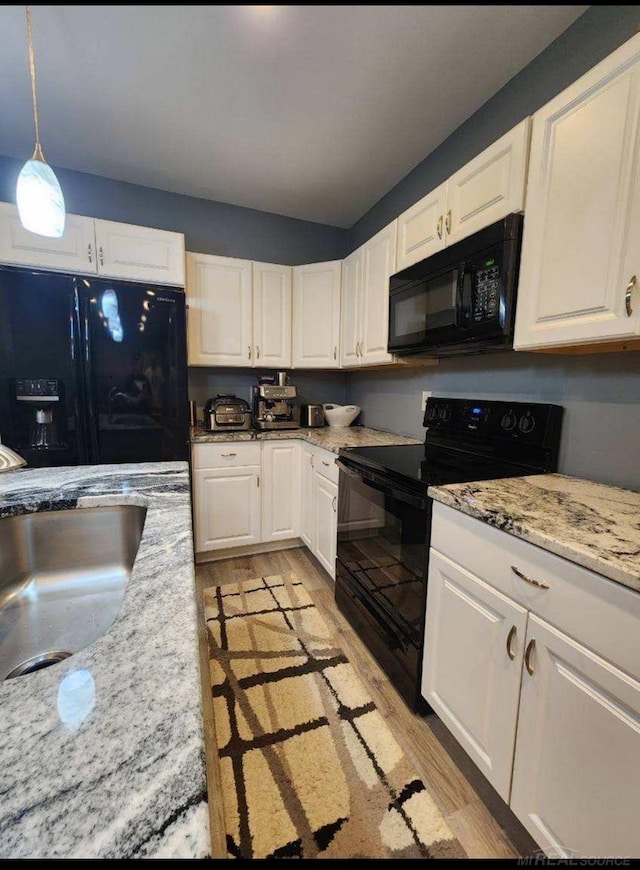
x=326 y=463
x=229 y=454
x=538 y=583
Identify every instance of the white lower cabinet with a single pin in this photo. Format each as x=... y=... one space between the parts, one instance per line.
x=227 y=507
x=252 y=493
x=539 y=682
x=326 y=522
x=576 y=783
x=281 y=491
x=473 y=664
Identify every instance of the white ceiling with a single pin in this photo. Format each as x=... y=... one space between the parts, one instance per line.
x=313 y=112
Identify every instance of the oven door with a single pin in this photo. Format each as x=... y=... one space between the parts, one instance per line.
x=425 y=312
x=383 y=533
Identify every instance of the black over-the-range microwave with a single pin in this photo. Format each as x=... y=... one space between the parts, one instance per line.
x=461 y=299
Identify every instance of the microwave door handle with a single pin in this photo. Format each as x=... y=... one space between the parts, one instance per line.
x=465 y=297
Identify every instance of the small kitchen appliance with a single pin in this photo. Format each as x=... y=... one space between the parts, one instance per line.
x=312 y=415
x=275 y=406
x=227 y=413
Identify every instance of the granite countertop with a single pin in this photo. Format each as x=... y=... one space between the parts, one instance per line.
x=331 y=438
x=591 y=524
x=102 y=755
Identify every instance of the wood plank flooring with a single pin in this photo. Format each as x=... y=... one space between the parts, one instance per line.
x=484 y=825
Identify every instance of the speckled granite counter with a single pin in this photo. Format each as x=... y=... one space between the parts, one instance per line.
x=594 y=525
x=330 y=437
x=103 y=753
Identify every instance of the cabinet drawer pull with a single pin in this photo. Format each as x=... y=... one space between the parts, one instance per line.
x=527 y=656
x=333 y=503
x=510 y=637
x=90 y=253
x=448 y=223
x=627 y=296
x=101 y=254
x=229 y=454
x=538 y=583
x=439 y=227
x=326 y=463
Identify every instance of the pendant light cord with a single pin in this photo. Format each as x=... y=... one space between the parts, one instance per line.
x=32 y=69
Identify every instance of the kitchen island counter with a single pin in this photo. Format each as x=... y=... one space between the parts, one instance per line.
x=102 y=755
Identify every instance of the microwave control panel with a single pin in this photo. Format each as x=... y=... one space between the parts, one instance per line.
x=487 y=292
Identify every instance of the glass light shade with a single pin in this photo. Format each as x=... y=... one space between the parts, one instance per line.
x=40 y=200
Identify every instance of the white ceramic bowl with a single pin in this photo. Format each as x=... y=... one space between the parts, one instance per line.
x=340 y=415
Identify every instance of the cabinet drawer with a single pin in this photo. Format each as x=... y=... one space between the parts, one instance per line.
x=325 y=464
x=227 y=454
x=596 y=611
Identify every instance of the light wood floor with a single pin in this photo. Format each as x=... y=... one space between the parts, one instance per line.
x=483 y=824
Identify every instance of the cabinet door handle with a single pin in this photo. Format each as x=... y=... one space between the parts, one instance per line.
x=101 y=255
x=257 y=351
x=326 y=463
x=527 y=656
x=335 y=352
x=448 y=223
x=333 y=503
x=440 y=219
x=258 y=481
x=510 y=638
x=229 y=454
x=90 y=252
x=249 y=351
x=627 y=296
x=538 y=583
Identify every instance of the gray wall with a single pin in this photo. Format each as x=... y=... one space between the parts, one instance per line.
x=210 y=227
x=600 y=395
x=594 y=35
x=205 y=383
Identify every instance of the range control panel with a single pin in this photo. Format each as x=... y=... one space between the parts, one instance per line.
x=531 y=422
x=37 y=390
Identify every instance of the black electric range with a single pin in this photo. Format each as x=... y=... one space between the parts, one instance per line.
x=384 y=515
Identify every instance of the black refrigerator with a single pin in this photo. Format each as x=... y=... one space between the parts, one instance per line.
x=92 y=370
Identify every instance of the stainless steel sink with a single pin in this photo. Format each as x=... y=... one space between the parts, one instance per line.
x=63 y=575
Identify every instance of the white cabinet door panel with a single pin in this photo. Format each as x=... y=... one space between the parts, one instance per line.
x=281 y=491
x=326 y=526
x=316 y=315
x=472 y=665
x=139 y=253
x=575 y=781
x=220 y=314
x=272 y=315
x=490 y=186
x=307 y=497
x=582 y=229
x=421 y=229
x=75 y=251
x=351 y=310
x=227 y=507
x=379 y=260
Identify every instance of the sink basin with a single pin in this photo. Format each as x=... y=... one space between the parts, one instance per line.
x=63 y=576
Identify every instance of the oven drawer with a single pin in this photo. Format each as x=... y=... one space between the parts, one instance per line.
x=596 y=611
x=226 y=454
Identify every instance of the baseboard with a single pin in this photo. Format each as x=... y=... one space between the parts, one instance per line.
x=248 y=550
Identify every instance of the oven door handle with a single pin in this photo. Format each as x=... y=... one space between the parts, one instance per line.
x=464 y=297
x=378 y=483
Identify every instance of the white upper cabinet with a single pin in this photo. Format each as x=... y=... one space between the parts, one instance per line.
x=272 y=315
x=90 y=246
x=220 y=311
x=421 y=228
x=351 y=313
x=75 y=251
x=490 y=186
x=379 y=262
x=486 y=189
x=581 y=246
x=139 y=253
x=316 y=315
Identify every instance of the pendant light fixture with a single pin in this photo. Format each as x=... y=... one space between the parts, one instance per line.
x=38 y=194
